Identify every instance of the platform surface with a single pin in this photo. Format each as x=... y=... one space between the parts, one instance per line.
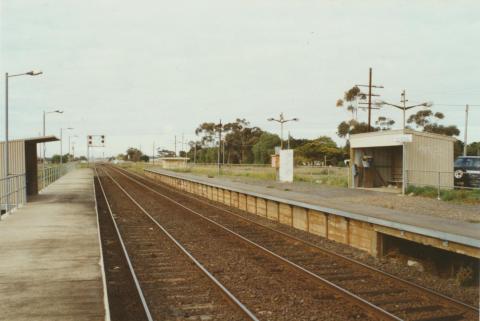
x=50 y=255
x=440 y=227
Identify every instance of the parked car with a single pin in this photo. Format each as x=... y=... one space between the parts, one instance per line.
x=467 y=171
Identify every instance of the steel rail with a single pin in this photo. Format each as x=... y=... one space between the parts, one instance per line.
x=349 y=296
x=431 y=292
x=106 y=301
x=222 y=288
x=125 y=252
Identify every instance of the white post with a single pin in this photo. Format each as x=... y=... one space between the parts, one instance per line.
x=466 y=129
x=61 y=146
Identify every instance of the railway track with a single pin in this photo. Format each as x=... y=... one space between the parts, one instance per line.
x=170 y=282
x=123 y=289
x=273 y=287
x=401 y=298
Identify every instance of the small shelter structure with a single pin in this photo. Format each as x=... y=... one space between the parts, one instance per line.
x=173 y=162
x=400 y=158
x=23 y=163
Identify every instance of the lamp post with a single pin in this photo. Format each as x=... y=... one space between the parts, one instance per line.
x=61 y=143
x=404 y=107
x=6 y=153
x=45 y=113
x=69 y=150
x=282 y=120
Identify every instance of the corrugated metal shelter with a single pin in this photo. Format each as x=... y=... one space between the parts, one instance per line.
x=378 y=159
x=23 y=160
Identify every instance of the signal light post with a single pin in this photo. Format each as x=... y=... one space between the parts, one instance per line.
x=94 y=141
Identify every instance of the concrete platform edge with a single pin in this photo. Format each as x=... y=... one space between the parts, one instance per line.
x=445 y=236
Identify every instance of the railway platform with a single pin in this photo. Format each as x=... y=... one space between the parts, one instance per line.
x=50 y=256
x=350 y=223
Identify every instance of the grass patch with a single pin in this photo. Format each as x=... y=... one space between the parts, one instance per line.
x=338 y=181
x=450 y=195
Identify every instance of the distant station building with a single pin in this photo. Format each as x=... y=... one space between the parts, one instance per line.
x=173 y=162
x=23 y=165
x=401 y=158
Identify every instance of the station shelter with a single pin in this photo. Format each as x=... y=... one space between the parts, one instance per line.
x=398 y=158
x=23 y=166
x=173 y=162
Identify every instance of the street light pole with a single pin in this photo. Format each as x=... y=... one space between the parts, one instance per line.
x=404 y=107
x=6 y=128
x=44 y=145
x=69 y=150
x=282 y=120
x=7 y=148
x=61 y=143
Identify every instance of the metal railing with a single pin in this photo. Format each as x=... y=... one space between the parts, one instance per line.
x=52 y=173
x=13 y=192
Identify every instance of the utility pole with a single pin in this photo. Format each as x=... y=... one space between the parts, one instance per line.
x=223 y=153
x=370 y=99
x=183 y=148
x=153 y=154
x=466 y=129
x=370 y=86
x=175 y=149
x=195 y=153
x=288 y=141
x=219 y=144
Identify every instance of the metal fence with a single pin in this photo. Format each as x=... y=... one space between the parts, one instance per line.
x=52 y=173
x=13 y=189
x=13 y=192
x=438 y=180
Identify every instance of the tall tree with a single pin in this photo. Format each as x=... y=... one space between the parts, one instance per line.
x=264 y=147
x=319 y=149
x=240 y=139
x=207 y=132
x=427 y=121
x=346 y=128
x=134 y=154
x=384 y=123
x=350 y=100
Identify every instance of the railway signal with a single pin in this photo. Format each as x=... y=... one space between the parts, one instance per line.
x=94 y=141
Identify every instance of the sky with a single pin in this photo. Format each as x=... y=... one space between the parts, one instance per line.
x=143 y=72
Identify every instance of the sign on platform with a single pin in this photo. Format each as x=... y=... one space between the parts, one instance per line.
x=404 y=138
